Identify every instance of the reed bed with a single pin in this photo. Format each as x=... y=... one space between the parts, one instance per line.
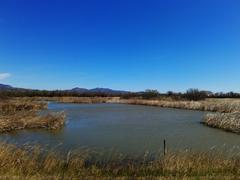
x=16 y=114
x=223 y=106
x=31 y=120
x=16 y=105
x=79 y=100
x=213 y=105
x=31 y=162
x=225 y=121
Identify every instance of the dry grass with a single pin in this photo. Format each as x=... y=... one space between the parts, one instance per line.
x=213 y=105
x=31 y=162
x=226 y=121
x=79 y=100
x=16 y=114
x=31 y=120
x=13 y=106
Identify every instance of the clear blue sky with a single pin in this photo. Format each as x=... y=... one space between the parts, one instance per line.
x=121 y=44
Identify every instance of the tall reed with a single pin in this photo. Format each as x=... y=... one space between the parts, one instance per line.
x=33 y=162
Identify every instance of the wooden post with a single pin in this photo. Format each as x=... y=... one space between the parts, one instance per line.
x=164 y=147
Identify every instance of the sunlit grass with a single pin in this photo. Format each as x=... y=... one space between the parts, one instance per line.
x=213 y=105
x=23 y=114
x=32 y=161
x=226 y=121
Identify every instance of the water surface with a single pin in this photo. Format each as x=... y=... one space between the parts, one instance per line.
x=129 y=129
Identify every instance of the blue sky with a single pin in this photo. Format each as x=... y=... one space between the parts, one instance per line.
x=121 y=44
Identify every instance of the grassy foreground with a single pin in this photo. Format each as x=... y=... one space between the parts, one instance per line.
x=31 y=163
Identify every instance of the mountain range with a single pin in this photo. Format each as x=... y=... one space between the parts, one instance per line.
x=5 y=87
x=75 y=90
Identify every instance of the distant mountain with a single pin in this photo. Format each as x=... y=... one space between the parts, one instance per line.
x=107 y=90
x=97 y=90
x=74 y=90
x=5 y=87
x=79 y=90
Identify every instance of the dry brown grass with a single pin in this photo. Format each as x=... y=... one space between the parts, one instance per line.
x=225 y=121
x=13 y=106
x=79 y=100
x=31 y=162
x=16 y=114
x=213 y=105
x=31 y=120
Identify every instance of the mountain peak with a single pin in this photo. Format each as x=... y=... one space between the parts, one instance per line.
x=79 y=90
x=74 y=90
x=5 y=87
x=96 y=90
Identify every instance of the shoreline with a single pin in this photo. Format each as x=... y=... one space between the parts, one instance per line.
x=227 y=108
x=221 y=112
x=211 y=105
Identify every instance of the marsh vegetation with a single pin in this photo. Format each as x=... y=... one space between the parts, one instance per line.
x=16 y=114
x=226 y=121
x=31 y=163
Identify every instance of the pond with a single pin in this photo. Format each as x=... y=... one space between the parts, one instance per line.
x=128 y=129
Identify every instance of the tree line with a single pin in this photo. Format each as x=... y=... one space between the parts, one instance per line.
x=191 y=94
x=54 y=93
